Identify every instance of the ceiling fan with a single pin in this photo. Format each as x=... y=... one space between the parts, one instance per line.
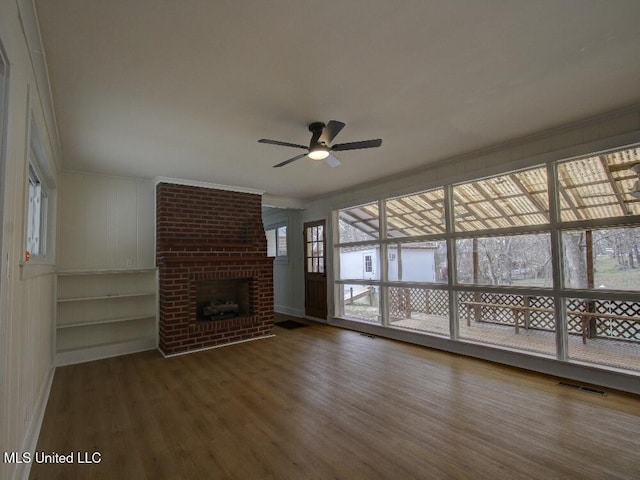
x=319 y=148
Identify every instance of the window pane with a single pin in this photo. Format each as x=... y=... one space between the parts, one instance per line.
x=35 y=214
x=605 y=332
x=492 y=318
x=614 y=263
x=354 y=264
x=359 y=223
x=600 y=186
x=271 y=242
x=359 y=302
x=418 y=262
x=520 y=260
x=419 y=214
x=513 y=200
x=282 y=241
x=44 y=208
x=419 y=309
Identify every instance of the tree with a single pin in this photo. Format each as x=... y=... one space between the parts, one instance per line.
x=575 y=260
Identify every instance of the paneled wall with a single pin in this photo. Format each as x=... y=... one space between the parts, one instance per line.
x=105 y=222
x=26 y=289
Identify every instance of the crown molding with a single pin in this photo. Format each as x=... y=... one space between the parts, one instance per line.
x=214 y=186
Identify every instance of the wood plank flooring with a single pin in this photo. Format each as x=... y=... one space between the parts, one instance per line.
x=324 y=403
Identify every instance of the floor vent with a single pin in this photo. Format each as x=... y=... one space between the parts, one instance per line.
x=368 y=335
x=583 y=388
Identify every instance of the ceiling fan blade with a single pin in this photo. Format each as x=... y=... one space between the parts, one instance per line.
x=332 y=161
x=283 y=144
x=357 y=145
x=330 y=132
x=286 y=162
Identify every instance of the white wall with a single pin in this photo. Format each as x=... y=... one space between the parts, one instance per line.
x=105 y=222
x=352 y=264
x=288 y=274
x=418 y=265
x=26 y=290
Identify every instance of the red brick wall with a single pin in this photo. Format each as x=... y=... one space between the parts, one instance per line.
x=207 y=234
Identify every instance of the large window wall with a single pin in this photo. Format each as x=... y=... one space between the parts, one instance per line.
x=544 y=260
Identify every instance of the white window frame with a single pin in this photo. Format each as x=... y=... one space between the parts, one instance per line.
x=37 y=209
x=554 y=227
x=277 y=232
x=40 y=200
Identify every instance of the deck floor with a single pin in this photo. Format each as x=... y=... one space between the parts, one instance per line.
x=600 y=351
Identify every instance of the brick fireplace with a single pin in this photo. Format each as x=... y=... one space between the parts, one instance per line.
x=211 y=251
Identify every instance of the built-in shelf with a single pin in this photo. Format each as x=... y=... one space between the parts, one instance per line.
x=100 y=345
x=105 y=321
x=106 y=297
x=70 y=356
x=101 y=313
x=108 y=271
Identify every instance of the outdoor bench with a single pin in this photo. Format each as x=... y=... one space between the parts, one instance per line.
x=520 y=311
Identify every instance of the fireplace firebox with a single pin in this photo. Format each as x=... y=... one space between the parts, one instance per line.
x=222 y=299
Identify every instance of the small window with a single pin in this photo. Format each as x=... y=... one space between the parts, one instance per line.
x=36 y=215
x=277 y=241
x=40 y=199
x=368 y=264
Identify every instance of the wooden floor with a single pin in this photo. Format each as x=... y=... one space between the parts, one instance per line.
x=324 y=403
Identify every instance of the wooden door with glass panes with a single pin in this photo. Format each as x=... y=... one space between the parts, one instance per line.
x=315 y=284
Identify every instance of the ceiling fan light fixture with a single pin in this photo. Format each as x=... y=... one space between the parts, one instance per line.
x=320 y=146
x=318 y=153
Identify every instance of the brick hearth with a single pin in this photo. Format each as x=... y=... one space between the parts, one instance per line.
x=205 y=234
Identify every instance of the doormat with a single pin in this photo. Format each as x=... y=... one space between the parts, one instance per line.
x=290 y=324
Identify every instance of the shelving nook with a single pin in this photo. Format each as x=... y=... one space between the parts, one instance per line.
x=102 y=313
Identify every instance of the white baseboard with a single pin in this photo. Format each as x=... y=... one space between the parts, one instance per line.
x=316 y=319
x=99 y=352
x=33 y=431
x=285 y=310
x=187 y=352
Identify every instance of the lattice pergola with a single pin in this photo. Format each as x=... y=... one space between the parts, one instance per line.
x=590 y=188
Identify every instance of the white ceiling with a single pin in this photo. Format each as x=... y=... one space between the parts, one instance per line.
x=185 y=88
